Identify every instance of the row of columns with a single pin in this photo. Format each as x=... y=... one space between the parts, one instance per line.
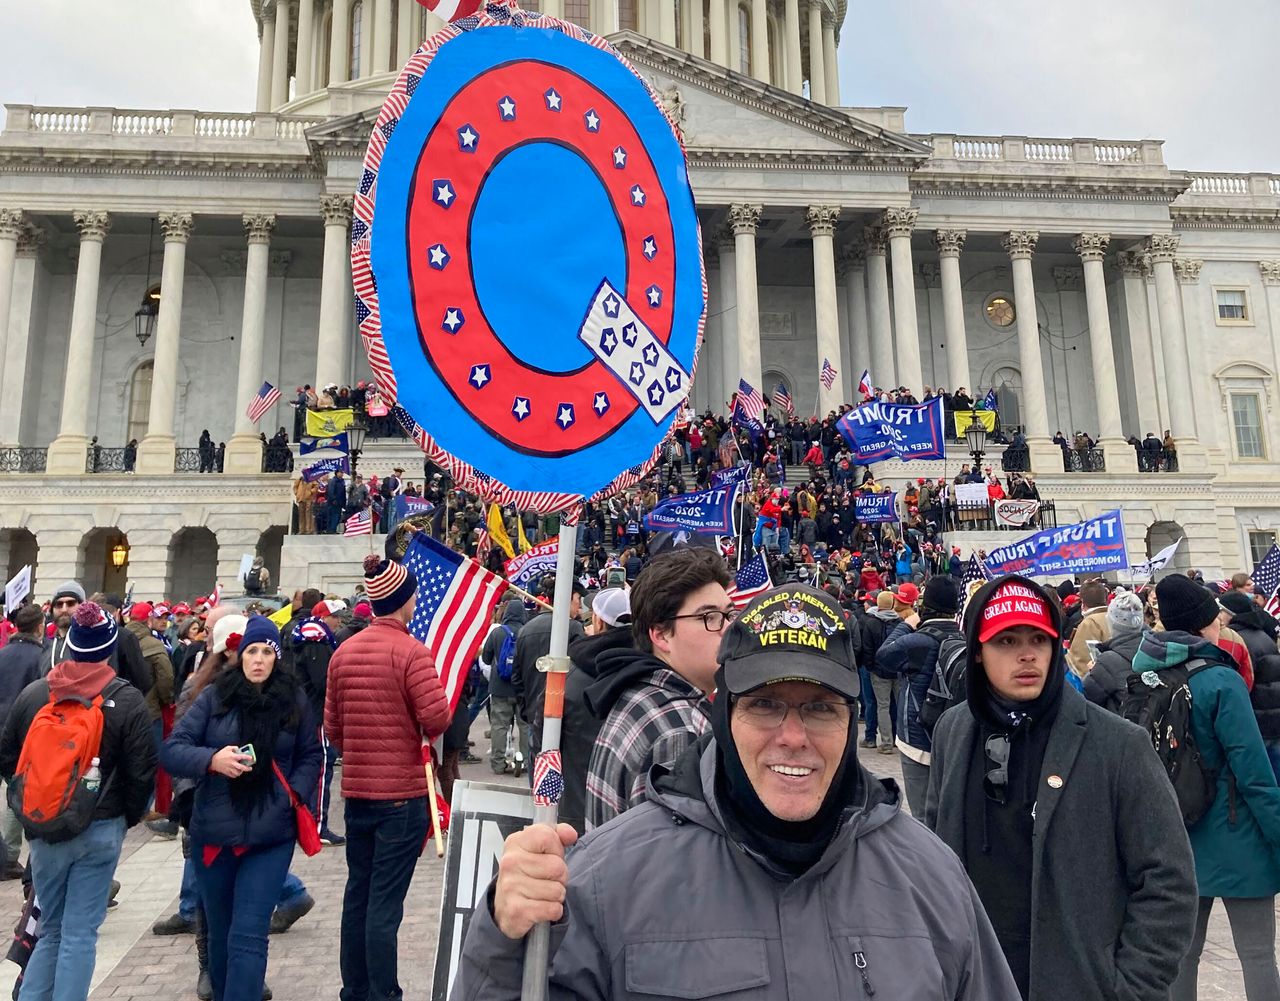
x=157 y=450
x=891 y=347
x=823 y=77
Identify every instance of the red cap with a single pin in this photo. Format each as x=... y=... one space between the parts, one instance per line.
x=1015 y=604
x=908 y=594
x=140 y=611
x=1071 y=599
x=363 y=610
x=331 y=606
x=182 y=608
x=161 y=611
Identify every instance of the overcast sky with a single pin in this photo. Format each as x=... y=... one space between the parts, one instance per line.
x=1203 y=76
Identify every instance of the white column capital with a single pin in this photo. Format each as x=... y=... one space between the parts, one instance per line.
x=1091 y=246
x=11 y=222
x=876 y=240
x=851 y=257
x=745 y=219
x=176 y=226
x=268 y=13
x=1020 y=244
x=1163 y=248
x=258 y=227
x=1187 y=269
x=950 y=242
x=93 y=225
x=30 y=240
x=1270 y=271
x=822 y=219
x=336 y=209
x=1133 y=263
x=900 y=222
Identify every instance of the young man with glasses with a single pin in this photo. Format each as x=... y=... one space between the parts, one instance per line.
x=1061 y=812
x=766 y=862
x=652 y=698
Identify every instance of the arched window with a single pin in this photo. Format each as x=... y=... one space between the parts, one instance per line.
x=357 y=30
x=744 y=39
x=627 y=18
x=139 y=401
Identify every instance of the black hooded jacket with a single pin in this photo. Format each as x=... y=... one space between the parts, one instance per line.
x=1254 y=629
x=616 y=671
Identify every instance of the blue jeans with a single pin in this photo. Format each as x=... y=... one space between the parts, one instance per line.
x=189 y=895
x=330 y=756
x=72 y=881
x=384 y=840
x=239 y=893
x=868 y=699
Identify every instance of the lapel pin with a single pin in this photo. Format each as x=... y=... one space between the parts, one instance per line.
x=1055 y=781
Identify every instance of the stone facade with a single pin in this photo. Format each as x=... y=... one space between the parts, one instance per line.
x=1093 y=286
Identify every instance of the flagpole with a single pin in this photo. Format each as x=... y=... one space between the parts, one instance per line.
x=434 y=805
x=556 y=666
x=742 y=500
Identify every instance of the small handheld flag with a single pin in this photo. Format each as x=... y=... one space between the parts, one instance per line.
x=828 y=374
x=782 y=397
x=267 y=398
x=865 y=386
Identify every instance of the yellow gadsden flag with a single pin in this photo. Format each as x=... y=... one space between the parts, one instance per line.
x=498 y=531
x=327 y=423
x=987 y=418
x=282 y=616
x=521 y=540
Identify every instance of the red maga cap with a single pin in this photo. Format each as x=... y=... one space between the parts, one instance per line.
x=1015 y=604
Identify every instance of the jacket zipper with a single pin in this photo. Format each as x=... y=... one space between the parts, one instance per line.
x=860 y=961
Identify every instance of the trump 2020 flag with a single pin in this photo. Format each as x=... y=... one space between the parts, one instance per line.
x=708 y=512
x=876 y=508
x=456 y=598
x=1092 y=546
x=727 y=477
x=534 y=563
x=879 y=430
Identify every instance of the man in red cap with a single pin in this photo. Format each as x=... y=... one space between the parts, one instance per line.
x=141 y=615
x=1061 y=812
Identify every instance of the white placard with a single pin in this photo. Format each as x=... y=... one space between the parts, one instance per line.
x=17 y=589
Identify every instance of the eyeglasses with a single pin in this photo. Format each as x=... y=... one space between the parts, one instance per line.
x=66 y=603
x=713 y=620
x=822 y=716
x=996 y=782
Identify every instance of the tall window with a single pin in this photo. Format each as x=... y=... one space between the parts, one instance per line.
x=744 y=39
x=1260 y=543
x=1232 y=305
x=139 y=401
x=1246 y=422
x=579 y=12
x=357 y=32
x=627 y=18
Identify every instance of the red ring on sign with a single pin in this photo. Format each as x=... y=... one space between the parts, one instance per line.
x=436 y=289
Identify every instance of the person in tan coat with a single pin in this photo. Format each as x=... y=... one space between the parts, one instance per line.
x=304 y=496
x=1094 y=626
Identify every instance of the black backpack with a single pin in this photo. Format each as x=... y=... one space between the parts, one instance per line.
x=949 y=686
x=1160 y=703
x=253 y=581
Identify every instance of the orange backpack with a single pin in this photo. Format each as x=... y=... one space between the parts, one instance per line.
x=52 y=793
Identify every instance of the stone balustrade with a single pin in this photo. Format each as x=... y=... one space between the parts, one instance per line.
x=150 y=124
x=1021 y=149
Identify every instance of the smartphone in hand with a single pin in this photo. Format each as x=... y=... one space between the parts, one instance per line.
x=250 y=753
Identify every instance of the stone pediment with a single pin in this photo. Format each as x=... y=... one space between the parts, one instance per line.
x=347 y=135
x=727 y=115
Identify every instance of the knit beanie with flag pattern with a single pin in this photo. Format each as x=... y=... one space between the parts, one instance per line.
x=388 y=584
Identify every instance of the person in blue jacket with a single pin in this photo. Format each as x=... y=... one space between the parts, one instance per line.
x=252 y=719
x=1237 y=843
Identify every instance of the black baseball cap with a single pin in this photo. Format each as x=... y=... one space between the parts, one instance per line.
x=791 y=633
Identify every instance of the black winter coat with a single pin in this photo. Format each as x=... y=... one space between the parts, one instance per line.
x=19 y=666
x=1107 y=681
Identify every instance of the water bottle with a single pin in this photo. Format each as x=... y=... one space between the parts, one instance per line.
x=93 y=777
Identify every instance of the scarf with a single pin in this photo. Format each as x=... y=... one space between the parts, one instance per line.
x=263 y=710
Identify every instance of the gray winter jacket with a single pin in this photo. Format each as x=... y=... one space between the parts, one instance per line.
x=661 y=904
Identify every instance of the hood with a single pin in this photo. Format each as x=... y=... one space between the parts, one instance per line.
x=313 y=630
x=616 y=671
x=979 y=691
x=687 y=789
x=1124 y=641
x=77 y=679
x=1254 y=618
x=885 y=615
x=585 y=650
x=513 y=614
x=1169 y=648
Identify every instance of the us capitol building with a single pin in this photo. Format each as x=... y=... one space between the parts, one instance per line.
x=157 y=265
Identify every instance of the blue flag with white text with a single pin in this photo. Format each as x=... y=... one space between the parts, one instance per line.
x=740 y=473
x=878 y=430
x=1093 y=546
x=874 y=508
x=708 y=512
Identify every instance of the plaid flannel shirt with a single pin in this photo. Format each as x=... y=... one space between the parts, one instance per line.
x=651 y=724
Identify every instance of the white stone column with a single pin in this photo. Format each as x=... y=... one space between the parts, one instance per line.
x=745 y=220
x=407 y=38
x=1138 y=326
x=817 y=58
x=14 y=384
x=156 y=451
x=244 y=450
x=335 y=291
x=822 y=228
x=280 y=64
x=719 y=15
x=366 y=39
x=854 y=261
x=304 y=60
x=1162 y=250
x=1203 y=386
x=898 y=224
x=729 y=369
x=693 y=33
x=1021 y=247
x=829 y=61
x=950 y=242
x=795 y=64
x=760 y=40
x=883 y=371
x=553 y=8
x=382 y=36
x=667 y=23
x=1270 y=271
x=339 y=42
x=266 y=57
x=11 y=224
x=67 y=452
x=1092 y=247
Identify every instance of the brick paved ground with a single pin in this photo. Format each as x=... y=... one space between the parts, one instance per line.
x=303 y=965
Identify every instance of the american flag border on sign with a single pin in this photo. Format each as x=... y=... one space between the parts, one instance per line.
x=548 y=778
x=466 y=476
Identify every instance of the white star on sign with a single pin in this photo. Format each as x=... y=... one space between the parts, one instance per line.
x=673 y=379
x=508 y=107
x=637 y=195
x=610 y=340
x=601 y=404
x=468 y=137
x=444 y=194
x=593 y=120
x=453 y=319
x=655 y=295
x=479 y=375
x=650 y=354
x=619 y=157
x=611 y=306
x=553 y=100
x=629 y=334
x=637 y=372
x=439 y=256
x=650 y=248
x=655 y=393
x=520 y=408
x=565 y=417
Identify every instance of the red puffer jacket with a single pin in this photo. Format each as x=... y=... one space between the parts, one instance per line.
x=383 y=696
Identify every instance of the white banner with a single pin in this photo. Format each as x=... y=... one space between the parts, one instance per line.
x=1154 y=565
x=1015 y=513
x=971 y=493
x=17 y=589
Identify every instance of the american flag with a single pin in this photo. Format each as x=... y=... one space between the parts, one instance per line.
x=974 y=573
x=456 y=598
x=865 y=386
x=360 y=523
x=783 y=398
x=267 y=398
x=749 y=401
x=828 y=374
x=750 y=580
x=1266 y=579
x=548 y=778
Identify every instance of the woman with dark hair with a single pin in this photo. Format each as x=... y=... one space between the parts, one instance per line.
x=248 y=732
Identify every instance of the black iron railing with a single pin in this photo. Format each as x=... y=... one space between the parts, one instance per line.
x=23 y=460
x=187 y=460
x=277 y=459
x=975 y=516
x=1163 y=461
x=1084 y=460
x=100 y=459
x=1016 y=459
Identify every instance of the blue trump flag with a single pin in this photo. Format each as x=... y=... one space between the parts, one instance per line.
x=879 y=430
x=873 y=508
x=1092 y=546
x=740 y=473
x=326 y=466
x=709 y=512
x=337 y=443
x=988 y=401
